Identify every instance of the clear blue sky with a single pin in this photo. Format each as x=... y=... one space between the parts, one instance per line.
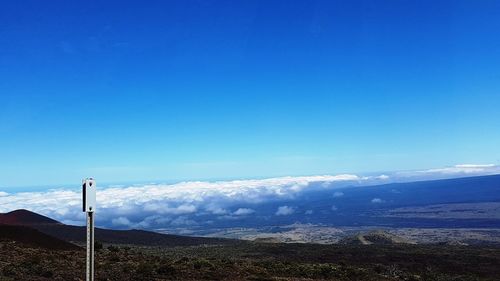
x=171 y=90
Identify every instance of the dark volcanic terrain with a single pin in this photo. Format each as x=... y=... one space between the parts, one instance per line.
x=29 y=254
x=255 y=261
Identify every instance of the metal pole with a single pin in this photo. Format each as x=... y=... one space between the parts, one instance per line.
x=90 y=246
x=89 y=202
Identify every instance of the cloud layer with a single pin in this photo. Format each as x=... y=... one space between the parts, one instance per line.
x=190 y=203
x=448 y=172
x=158 y=205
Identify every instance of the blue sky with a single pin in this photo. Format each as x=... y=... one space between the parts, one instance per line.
x=186 y=90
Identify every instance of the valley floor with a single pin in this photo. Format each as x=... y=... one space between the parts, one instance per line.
x=256 y=261
x=309 y=233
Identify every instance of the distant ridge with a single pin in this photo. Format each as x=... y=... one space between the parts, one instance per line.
x=25 y=217
x=376 y=237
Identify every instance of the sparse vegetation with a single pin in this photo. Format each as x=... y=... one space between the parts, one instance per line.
x=256 y=261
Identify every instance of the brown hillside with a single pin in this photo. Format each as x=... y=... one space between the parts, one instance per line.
x=33 y=238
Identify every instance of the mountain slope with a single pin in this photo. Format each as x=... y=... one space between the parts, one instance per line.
x=25 y=217
x=375 y=205
x=34 y=238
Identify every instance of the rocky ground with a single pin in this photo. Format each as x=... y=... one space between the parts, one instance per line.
x=309 y=233
x=255 y=261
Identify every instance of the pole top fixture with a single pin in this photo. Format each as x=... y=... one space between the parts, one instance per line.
x=89 y=195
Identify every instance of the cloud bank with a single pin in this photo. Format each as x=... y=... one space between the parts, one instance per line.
x=183 y=204
x=163 y=205
x=462 y=170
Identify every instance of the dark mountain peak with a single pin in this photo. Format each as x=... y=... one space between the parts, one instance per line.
x=25 y=217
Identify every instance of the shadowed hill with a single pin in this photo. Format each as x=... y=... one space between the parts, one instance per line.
x=33 y=238
x=78 y=233
x=376 y=237
x=25 y=217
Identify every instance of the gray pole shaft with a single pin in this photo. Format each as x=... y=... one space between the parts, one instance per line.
x=90 y=246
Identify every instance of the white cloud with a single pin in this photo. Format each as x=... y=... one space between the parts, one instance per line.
x=383 y=177
x=334 y=208
x=284 y=211
x=475 y=166
x=3 y=193
x=338 y=194
x=216 y=210
x=121 y=221
x=377 y=200
x=243 y=212
x=163 y=208
x=461 y=169
x=309 y=212
x=450 y=172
